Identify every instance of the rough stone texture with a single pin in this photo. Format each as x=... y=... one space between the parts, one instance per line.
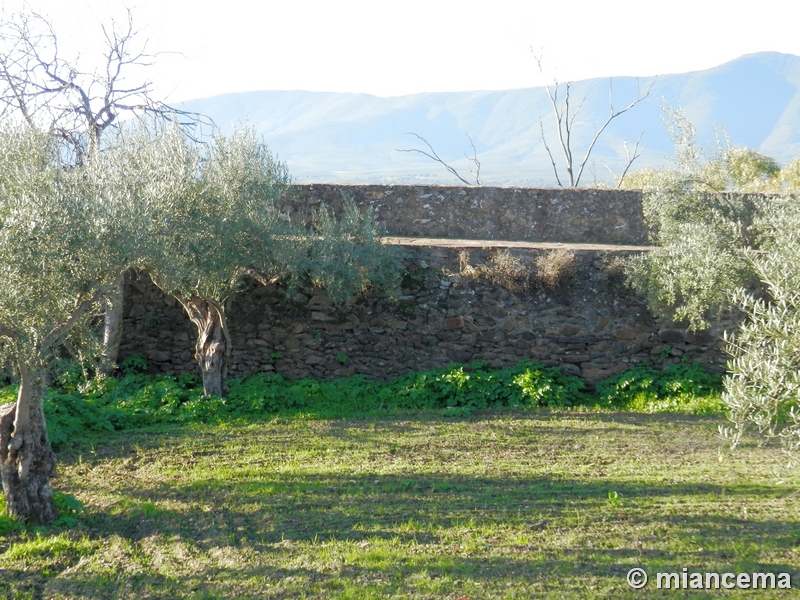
x=593 y=327
x=589 y=216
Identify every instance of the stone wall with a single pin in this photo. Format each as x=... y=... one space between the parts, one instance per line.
x=590 y=216
x=592 y=326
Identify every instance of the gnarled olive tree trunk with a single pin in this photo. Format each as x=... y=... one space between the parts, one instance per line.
x=213 y=347
x=112 y=323
x=27 y=461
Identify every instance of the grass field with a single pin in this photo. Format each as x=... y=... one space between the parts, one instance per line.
x=499 y=504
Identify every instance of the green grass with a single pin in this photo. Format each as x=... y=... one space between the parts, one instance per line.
x=453 y=483
x=507 y=503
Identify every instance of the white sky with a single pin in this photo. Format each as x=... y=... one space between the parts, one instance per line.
x=389 y=48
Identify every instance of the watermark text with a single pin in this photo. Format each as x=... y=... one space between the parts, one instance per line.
x=696 y=580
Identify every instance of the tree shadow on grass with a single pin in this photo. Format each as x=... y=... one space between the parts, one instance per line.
x=276 y=516
x=275 y=523
x=546 y=574
x=407 y=422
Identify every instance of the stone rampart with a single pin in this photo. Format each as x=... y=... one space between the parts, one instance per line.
x=591 y=216
x=593 y=325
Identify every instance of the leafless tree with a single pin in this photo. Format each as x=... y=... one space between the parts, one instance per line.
x=40 y=87
x=45 y=90
x=476 y=172
x=565 y=115
x=630 y=156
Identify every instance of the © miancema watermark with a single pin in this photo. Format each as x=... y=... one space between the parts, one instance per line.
x=684 y=580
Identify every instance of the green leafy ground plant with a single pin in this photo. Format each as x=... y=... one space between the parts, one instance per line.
x=95 y=408
x=681 y=388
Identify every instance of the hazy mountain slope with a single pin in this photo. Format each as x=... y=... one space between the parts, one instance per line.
x=354 y=137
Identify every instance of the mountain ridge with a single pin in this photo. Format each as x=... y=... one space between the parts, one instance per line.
x=353 y=138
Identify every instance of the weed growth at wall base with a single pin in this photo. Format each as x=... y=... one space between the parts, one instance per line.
x=138 y=400
x=678 y=388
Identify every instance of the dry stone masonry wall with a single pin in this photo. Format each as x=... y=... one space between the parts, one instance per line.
x=590 y=216
x=593 y=326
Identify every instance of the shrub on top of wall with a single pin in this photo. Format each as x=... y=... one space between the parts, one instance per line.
x=552 y=270
x=556 y=268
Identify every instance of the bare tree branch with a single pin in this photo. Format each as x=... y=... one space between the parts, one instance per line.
x=259 y=276
x=474 y=160
x=611 y=116
x=435 y=157
x=631 y=156
x=44 y=90
x=59 y=332
x=550 y=154
x=565 y=123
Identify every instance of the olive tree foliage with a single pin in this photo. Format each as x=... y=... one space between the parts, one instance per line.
x=704 y=226
x=346 y=256
x=789 y=177
x=719 y=249
x=728 y=168
x=703 y=239
x=763 y=388
x=217 y=219
x=63 y=243
x=61 y=235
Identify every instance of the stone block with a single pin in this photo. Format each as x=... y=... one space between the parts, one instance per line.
x=671 y=336
x=454 y=322
x=571 y=369
x=320 y=316
x=569 y=329
x=625 y=334
x=575 y=358
x=699 y=337
x=594 y=374
x=498 y=312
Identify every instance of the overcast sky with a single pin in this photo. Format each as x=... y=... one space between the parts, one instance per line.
x=391 y=48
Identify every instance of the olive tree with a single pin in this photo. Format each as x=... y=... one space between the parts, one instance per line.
x=718 y=249
x=209 y=226
x=737 y=252
x=704 y=226
x=63 y=243
x=216 y=219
